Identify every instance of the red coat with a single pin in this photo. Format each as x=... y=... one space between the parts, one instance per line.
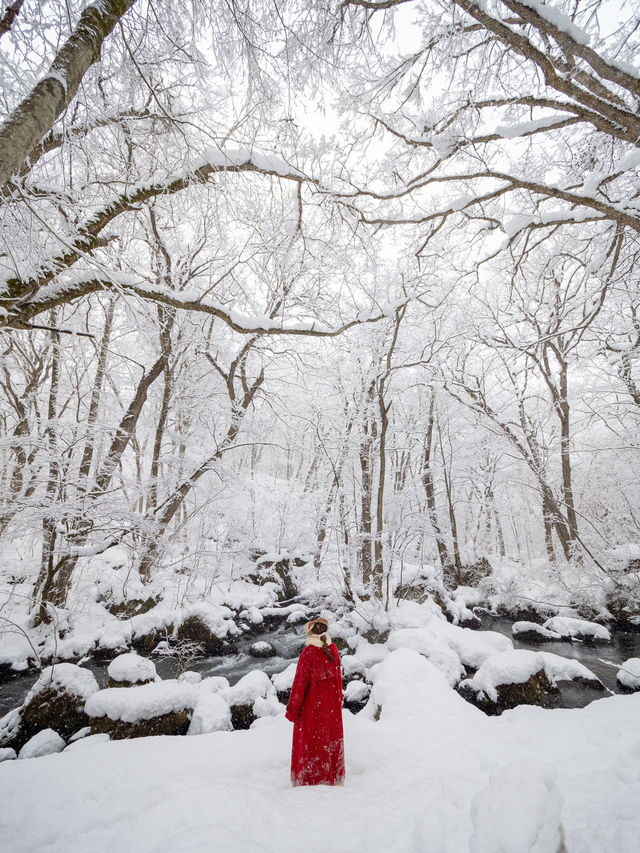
x=315 y=709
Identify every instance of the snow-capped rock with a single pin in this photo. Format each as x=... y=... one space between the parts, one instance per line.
x=571 y=628
x=131 y=668
x=629 y=674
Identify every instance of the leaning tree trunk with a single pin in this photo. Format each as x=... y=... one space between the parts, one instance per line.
x=48 y=99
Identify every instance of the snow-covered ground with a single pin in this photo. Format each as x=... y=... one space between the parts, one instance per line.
x=433 y=774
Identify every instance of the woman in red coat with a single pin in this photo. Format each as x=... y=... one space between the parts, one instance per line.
x=315 y=709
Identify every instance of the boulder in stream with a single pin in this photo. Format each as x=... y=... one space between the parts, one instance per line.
x=252 y=697
x=531 y=632
x=570 y=628
x=522 y=677
x=56 y=701
x=194 y=629
x=129 y=669
x=628 y=676
x=262 y=649
x=356 y=695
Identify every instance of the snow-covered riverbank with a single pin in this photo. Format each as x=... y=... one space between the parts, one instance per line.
x=433 y=774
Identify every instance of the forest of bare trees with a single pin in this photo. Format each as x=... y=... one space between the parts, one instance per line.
x=353 y=280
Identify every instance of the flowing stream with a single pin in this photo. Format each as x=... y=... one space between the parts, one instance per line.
x=602 y=660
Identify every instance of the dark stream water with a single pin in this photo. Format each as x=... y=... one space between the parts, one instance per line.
x=601 y=660
x=288 y=646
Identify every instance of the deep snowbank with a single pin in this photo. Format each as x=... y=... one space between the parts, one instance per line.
x=434 y=774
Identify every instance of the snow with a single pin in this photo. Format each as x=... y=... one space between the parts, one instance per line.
x=46 y=742
x=190 y=677
x=511 y=131
x=91 y=740
x=254 y=685
x=282 y=681
x=518 y=665
x=261 y=648
x=629 y=674
x=427 y=777
x=357 y=691
x=9 y=725
x=69 y=677
x=215 y=683
x=497 y=813
x=236 y=157
x=568 y=626
x=7 y=754
x=131 y=704
x=132 y=668
x=523 y=627
x=58 y=76
x=81 y=733
x=211 y=714
x=559 y=20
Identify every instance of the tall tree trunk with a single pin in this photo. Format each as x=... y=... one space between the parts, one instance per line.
x=334 y=489
x=46 y=574
x=565 y=456
x=96 y=395
x=429 y=488
x=366 y=495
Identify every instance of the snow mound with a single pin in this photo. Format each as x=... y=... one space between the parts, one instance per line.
x=190 y=677
x=254 y=685
x=46 y=742
x=427 y=642
x=69 y=677
x=85 y=742
x=518 y=665
x=131 y=704
x=472 y=647
x=132 y=668
x=568 y=626
x=211 y=714
x=7 y=754
x=518 y=811
x=411 y=690
x=283 y=681
x=214 y=683
x=629 y=674
x=357 y=691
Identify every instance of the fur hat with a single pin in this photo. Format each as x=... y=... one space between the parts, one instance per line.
x=309 y=626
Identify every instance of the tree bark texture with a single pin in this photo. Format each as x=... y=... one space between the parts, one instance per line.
x=35 y=116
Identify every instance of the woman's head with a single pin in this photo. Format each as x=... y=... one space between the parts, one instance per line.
x=317 y=626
